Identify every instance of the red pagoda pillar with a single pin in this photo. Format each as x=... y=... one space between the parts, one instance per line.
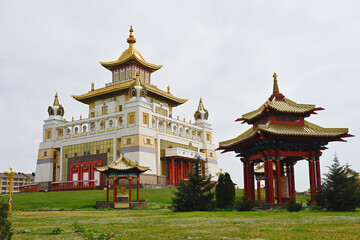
x=266 y=181
x=271 y=180
x=246 y=180
x=318 y=174
x=172 y=172
x=115 y=192
x=292 y=179
x=312 y=180
x=107 y=189
x=258 y=189
x=288 y=179
x=181 y=169
x=137 y=188
x=251 y=181
x=278 y=181
x=130 y=189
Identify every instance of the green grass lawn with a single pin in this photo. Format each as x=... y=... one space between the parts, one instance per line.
x=158 y=222
x=72 y=200
x=164 y=224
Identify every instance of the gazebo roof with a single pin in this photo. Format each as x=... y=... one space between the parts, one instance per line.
x=123 y=165
x=308 y=130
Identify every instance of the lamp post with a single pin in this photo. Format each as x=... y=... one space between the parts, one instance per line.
x=10 y=175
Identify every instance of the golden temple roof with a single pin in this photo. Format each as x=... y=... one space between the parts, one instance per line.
x=123 y=164
x=130 y=54
x=89 y=97
x=285 y=106
x=306 y=130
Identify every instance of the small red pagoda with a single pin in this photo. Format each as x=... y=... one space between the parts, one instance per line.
x=279 y=135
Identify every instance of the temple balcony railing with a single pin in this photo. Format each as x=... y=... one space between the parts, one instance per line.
x=75 y=185
x=176 y=127
x=117 y=121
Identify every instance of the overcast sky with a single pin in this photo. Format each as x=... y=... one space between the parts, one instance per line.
x=223 y=51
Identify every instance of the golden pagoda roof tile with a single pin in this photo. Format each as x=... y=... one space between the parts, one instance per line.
x=123 y=164
x=130 y=54
x=86 y=97
x=286 y=106
x=306 y=130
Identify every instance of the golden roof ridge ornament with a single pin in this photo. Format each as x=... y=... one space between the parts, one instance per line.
x=275 y=87
x=131 y=40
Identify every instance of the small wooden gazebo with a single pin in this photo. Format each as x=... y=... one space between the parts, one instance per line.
x=122 y=168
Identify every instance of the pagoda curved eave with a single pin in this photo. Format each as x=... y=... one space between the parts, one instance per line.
x=113 y=64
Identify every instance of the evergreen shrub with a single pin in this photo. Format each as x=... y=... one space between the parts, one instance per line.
x=5 y=224
x=243 y=204
x=340 y=190
x=195 y=194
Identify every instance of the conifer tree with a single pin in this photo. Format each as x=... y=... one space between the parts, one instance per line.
x=340 y=190
x=195 y=194
x=5 y=224
x=225 y=192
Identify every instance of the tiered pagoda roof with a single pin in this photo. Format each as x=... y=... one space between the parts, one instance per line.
x=123 y=165
x=281 y=120
x=129 y=56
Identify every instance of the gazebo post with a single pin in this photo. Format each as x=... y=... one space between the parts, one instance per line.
x=266 y=181
x=271 y=180
x=278 y=181
x=258 y=189
x=107 y=189
x=130 y=189
x=288 y=178
x=312 y=179
x=293 y=195
x=137 y=193
x=115 y=192
x=318 y=174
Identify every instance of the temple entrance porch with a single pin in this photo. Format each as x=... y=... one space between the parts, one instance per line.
x=179 y=163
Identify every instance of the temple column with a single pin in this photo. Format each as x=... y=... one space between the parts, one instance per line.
x=292 y=179
x=288 y=178
x=271 y=180
x=266 y=174
x=181 y=169
x=107 y=189
x=251 y=181
x=278 y=181
x=130 y=189
x=115 y=192
x=258 y=189
x=318 y=174
x=137 y=192
x=172 y=171
x=245 y=179
x=312 y=180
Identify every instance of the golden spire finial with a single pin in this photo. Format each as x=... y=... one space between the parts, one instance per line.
x=168 y=89
x=56 y=100
x=201 y=105
x=137 y=78
x=92 y=86
x=131 y=40
x=276 y=87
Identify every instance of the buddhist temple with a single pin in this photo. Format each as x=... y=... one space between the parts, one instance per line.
x=129 y=115
x=281 y=136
